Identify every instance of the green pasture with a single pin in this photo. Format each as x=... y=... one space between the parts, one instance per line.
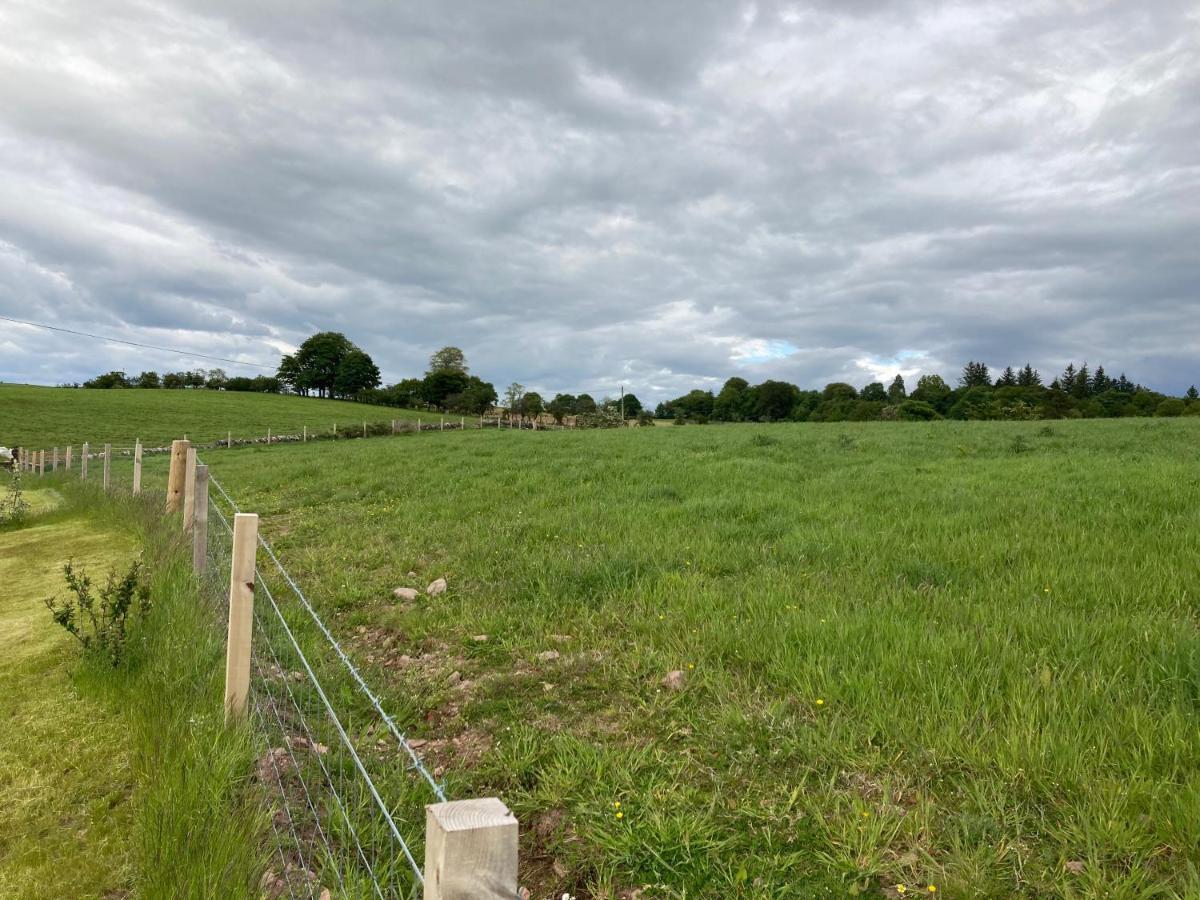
x=955 y=658
x=38 y=417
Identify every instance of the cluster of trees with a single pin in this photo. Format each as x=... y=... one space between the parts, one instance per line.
x=212 y=379
x=1015 y=394
x=329 y=365
x=448 y=385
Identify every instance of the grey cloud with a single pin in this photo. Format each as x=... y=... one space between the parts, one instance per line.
x=590 y=195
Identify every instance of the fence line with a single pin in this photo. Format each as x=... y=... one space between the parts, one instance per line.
x=280 y=709
x=332 y=821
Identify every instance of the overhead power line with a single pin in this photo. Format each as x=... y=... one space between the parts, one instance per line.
x=113 y=340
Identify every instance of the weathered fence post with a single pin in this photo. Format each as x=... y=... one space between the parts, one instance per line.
x=364 y=429
x=200 y=521
x=41 y=464
x=470 y=850
x=107 y=465
x=241 y=614
x=175 y=476
x=393 y=426
x=268 y=437
x=189 y=488
x=335 y=429
x=83 y=460
x=229 y=440
x=305 y=438
x=67 y=461
x=54 y=463
x=137 y=467
x=418 y=423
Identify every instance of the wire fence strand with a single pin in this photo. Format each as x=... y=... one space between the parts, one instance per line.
x=333 y=796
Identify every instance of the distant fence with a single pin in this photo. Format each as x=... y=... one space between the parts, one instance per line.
x=37 y=460
x=346 y=786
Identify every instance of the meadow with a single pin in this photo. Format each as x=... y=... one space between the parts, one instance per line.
x=32 y=416
x=955 y=658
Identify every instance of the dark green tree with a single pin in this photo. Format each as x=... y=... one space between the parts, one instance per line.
x=735 y=402
x=356 y=373
x=149 y=380
x=561 y=406
x=438 y=387
x=1008 y=378
x=975 y=374
x=1029 y=377
x=319 y=359
x=896 y=390
x=774 y=400
x=874 y=393
x=584 y=404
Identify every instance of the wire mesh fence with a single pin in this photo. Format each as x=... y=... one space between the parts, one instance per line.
x=347 y=787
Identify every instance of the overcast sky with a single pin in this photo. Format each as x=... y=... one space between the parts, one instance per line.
x=654 y=193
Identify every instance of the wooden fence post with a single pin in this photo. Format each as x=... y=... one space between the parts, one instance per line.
x=41 y=464
x=137 y=467
x=470 y=850
x=229 y=440
x=443 y=428
x=83 y=460
x=364 y=429
x=189 y=488
x=393 y=426
x=54 y=463
x=335 y=429
x=305 y=439
x=241 y=614
x=200 y=521
x=175 y=477
x=107 y=465
x=268 y=437
x=67 y=461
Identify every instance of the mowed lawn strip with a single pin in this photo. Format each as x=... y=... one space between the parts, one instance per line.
x=951 y=655
x=44 y=417
x=65 y=776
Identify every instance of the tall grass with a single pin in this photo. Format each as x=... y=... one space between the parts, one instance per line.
x=198 y=821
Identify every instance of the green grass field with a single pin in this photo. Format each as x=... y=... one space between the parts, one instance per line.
x=46 y=417
x=951 y=656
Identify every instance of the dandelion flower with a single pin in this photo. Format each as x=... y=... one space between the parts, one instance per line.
x=900 y=889
x=620 y=815
x=820 y=701
x=932 y=889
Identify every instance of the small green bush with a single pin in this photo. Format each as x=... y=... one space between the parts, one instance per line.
x=101 y=624
x=13 y=507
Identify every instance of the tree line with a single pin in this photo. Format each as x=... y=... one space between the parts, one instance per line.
x=1014 y=394
x=328 y=364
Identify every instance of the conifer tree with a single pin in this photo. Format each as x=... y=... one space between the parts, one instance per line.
x=896 y=390
x=1029 y=377
x=1008 y=378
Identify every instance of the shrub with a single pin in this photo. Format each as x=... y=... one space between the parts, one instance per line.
x=101 y=624
x=1170 y=408
x=917 y=411
x=13 y=507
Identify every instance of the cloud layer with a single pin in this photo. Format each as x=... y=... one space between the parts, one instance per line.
x=586 y=195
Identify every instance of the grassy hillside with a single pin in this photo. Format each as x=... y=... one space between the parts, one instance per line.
x=45 y=416
x=951 y=656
